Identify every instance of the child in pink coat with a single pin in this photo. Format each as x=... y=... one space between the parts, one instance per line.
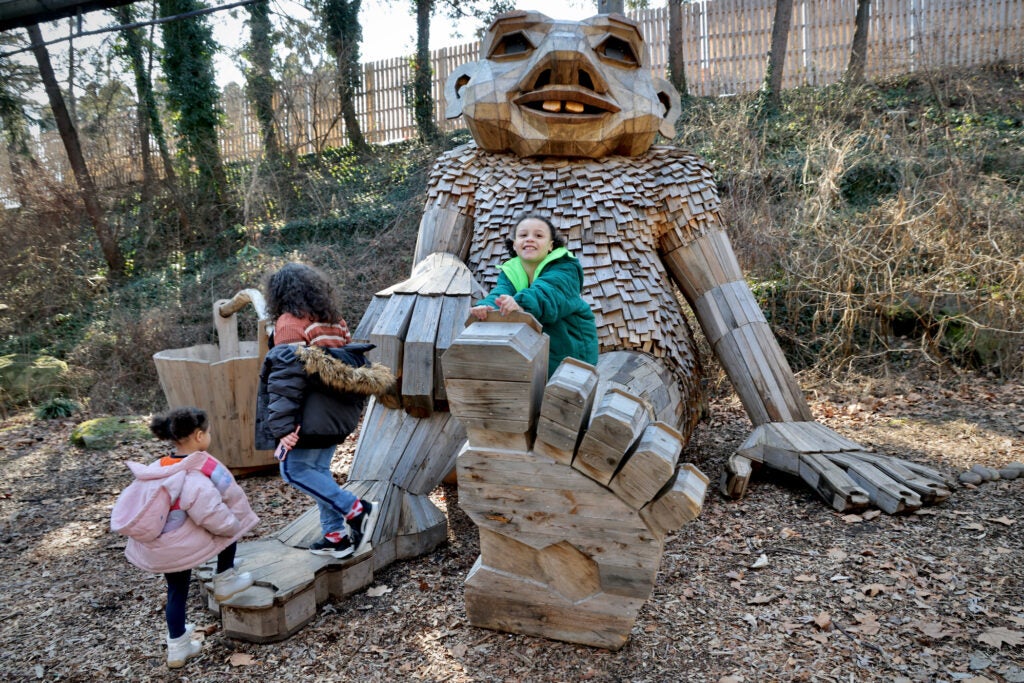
x=179 y=512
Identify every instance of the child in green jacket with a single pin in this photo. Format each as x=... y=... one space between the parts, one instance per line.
x=545 y=280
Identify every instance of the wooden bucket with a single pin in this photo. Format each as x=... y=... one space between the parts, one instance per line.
x=222 y=380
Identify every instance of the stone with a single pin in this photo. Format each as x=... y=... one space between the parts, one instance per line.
x=987 y=473
x=970 y=478
x=103 y=433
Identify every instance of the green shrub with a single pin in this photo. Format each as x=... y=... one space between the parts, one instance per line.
x=57 y=408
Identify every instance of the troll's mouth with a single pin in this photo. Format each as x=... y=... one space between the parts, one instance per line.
x=566 y=101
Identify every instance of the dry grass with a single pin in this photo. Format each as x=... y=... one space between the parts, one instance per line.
x=876 y=227
x=883 y=222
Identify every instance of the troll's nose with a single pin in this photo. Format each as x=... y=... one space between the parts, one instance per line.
x=563 y=64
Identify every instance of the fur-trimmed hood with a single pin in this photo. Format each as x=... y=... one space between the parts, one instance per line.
x=371 y=380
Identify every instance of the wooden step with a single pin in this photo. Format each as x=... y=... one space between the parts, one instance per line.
x=289 y=585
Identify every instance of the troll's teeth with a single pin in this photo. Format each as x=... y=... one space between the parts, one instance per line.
x=574 y=107
x=552 y=106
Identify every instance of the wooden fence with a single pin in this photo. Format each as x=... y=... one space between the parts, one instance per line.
x=725 y=45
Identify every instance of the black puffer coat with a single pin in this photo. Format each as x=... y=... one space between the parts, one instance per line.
x=323 y=390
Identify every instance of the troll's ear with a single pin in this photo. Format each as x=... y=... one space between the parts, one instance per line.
x=669 y=98
x=457 y=80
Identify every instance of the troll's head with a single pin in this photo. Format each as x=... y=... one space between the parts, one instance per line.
x=563 y=88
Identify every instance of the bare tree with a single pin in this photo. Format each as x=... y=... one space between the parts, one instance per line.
x=423 y=100
x=87 y=189
x=15 y=79
x=259 y=79
x=340 y=21
x=676 y=66
x=859 y=50
x=771 y=90
x=149 y=114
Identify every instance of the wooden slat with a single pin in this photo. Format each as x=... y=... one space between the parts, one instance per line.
x=454 y=310
x=565 y=409
x=389 y=331
x=736 y=476
x=678 y=503
x=832 y=483
x=418 y=356
x=888 y=494
x=617 y=423
x=649 y=466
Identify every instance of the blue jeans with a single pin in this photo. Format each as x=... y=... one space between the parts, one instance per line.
x=309 y=470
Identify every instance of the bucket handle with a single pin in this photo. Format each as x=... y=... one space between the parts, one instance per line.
x=226 y=322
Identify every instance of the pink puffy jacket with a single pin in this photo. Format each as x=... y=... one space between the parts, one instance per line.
x=181 y=515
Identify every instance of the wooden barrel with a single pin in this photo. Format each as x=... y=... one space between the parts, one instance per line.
x=222 y=380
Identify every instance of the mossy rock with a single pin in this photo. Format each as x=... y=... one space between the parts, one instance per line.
x=27 y=378
x=103 y=433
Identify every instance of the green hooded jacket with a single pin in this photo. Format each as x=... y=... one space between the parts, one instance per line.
x=553 y=298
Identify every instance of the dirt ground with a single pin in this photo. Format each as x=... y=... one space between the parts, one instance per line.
x=937 y=595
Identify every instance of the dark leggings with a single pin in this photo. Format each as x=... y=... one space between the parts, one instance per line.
x=177 y=591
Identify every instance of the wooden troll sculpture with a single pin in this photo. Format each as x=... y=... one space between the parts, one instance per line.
x=574 y=483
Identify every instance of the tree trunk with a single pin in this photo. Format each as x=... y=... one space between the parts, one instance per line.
x=17 y=173
x=771 y=91
x=341 y=24
x=259 y=77
x=108 y=245
x=71 y=102
x=193 y=96
x=676 y=67
x=133 y=45
x=611 y=7
x=422 y=81
x=859 y=50
x=12 y=118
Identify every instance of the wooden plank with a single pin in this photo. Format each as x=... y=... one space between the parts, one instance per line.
x=383 y=439
x=680 y=502
x=733 y=359
x=418 y=357
x=389 y=332
x=781 y=459
x=649 y=467
x=498 y=601
x=888 y=494
x=227 y=331
x=488 y=479
x=493 y=402
x=495 y=351
x=565 y=409
x=736 y=476
x=453 y=312
x=430 y=453
x=369 y=320
x=832 y=483
x=617 y=423
x=931 y=492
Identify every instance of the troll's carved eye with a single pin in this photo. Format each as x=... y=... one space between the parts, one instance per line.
x=512 y=44
x=618 y=51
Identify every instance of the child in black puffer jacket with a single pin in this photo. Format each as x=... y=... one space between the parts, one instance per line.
x=313 y=386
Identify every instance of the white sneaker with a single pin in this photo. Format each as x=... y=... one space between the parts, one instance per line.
x=182 y=648
x=230 y=582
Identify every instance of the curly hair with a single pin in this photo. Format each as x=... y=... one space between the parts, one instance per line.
x=556 y=239
x=178 y=423
x=302 y=290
